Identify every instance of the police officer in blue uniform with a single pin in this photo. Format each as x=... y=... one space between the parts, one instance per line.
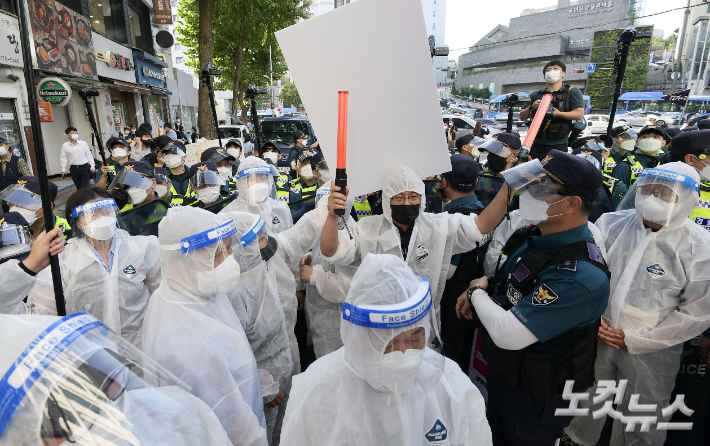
x=541 y=320
x=457 y=190
x=223 y=161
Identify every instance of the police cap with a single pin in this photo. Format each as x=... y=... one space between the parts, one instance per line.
x=574 y=172
x=215 y=155
x=141 y=167
x=463 y=140
x=694 y=143
x=464 y=171
x=509 y=140
x=199 y=166
x=652 y=129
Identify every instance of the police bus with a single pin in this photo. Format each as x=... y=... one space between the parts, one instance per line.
x=495 y=106
x=650 y=101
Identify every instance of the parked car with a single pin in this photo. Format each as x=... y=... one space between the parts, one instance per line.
x=503 y=117
x=280 y=131
x=233 y=131
x=640 y=118
x=598 y=123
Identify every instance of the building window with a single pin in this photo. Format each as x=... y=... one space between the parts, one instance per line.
x=178 y=60
x=136 y=28
x=103 y=21
x=177 y=47
x=434 y=13
x=433 y=26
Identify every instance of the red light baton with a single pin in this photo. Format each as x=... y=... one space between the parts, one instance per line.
x=341 y=177
x=537 y=122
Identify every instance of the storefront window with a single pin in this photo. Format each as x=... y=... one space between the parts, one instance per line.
x=136 y=28
x=9 y=128
x=156 y=114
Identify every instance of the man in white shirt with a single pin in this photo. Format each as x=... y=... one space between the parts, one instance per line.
x=77 y=154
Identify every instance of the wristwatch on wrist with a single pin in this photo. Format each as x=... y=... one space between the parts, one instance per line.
x=470 y=293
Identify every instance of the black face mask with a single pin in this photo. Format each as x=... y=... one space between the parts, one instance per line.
x=496 y=163
x=405 y=214
x=268 y=251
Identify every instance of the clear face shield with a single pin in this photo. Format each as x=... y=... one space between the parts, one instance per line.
x=322 y=172
x=662 y=197
x=496 y=147
x=130 y=178
x=540 y=190
x=391 y=340
x=207 y=184
x=163 y=186
x=255 y=184
x=79 y=383
x=22 y=201
x=207 y=261
x=626 y=141
x=15 y=241
x=587 y=156
x=256 y=237
x=97 y=222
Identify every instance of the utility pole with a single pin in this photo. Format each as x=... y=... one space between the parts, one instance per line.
x=679 y=48
x=271 y=81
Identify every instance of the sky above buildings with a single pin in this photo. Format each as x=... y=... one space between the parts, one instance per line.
x=468 y=21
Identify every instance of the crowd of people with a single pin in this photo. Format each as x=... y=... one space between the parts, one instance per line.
x=253 y=305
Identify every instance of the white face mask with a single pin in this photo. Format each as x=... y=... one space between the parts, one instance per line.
x=221 y=280
x=161 y=190
x=273 y=156
x=293 y=165
x=28 y=215
x=649 y=145
x=399 y=370
x=307 y=172
x=119 y=153
x=553 y=76
x=234 y=152
x=483 y=157
x=208 y=195
x=102 y=228
x=225 y=173
x=653 y=209
x=628 y=145
x=3 y=150
x=173 y=161
x=136 y=195
x=75 y=136
x=704 y=172
x=535 y=210
x=258 y=192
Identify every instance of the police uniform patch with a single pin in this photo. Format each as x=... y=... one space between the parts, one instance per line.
x=437 y=434
x=656 y=270
x=569 y=265
x=275 y=221
x=422 y=253
x=513 y=295
x=704 y=222
x=544 y=295
x=129 y=270
x=595 y=253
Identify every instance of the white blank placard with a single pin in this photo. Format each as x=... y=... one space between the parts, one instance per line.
x=378 y=50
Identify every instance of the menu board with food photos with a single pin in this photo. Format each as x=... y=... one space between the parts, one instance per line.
x=62 y=40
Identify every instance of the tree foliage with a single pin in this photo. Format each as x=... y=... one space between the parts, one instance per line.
x=289 y=95
x=243 y=31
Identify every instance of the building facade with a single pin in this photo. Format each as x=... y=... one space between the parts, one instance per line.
x=510 y=57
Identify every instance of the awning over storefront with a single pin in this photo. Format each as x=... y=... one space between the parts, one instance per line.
x=127 y=86
x=78 y=82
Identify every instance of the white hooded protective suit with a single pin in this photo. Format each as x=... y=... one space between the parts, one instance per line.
x=118 y=299
x=16 y=285
x=660 y=298
x=70 y=392
x=435 y=237
x=277 y=215
x=256 y=301
x=195 y=333
x=361 y=395
x=327 y=290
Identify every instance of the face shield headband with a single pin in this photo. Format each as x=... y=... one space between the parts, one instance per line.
x=667 y=175
x=258 y=170
x=203 y=239
x=93 y=206
x=38 y=357
x=394 y=316
x=253 y=233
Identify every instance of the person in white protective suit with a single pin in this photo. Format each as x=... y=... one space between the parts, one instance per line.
x=191 y=328
x=106 y=271
x=384 y=386
x=256 y=301
x=660 y=298
x=425 y=241
x=72 y=381
x=21 y=260
x=327 y=286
